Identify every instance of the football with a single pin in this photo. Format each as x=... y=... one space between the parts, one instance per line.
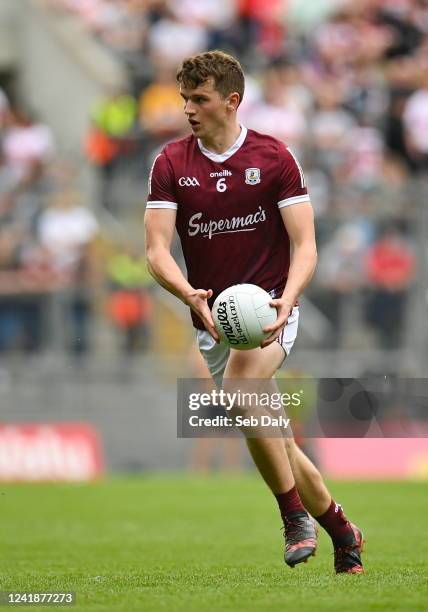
x=240 y=313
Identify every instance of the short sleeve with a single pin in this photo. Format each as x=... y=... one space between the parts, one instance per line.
x=292 y=188
x=161 y=184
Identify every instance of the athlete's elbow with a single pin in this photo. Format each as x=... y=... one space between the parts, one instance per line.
x=309 y=251
x=154 y=257
x=311 y=256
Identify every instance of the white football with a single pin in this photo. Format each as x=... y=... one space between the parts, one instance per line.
x=240 y=313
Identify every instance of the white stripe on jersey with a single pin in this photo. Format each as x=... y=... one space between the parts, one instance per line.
x=302 y=177
x=151 y=172
x=161 y=204
x=294 y=200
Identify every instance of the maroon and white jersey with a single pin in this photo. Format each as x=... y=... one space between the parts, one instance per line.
x=227 y=205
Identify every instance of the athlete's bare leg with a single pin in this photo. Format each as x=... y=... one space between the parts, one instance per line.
x=310 y=484
x=269 y=454
x=263 y=363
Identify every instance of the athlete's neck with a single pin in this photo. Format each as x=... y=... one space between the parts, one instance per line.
x=223 y=139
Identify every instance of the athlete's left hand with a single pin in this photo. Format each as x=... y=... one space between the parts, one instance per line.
x=284 y=308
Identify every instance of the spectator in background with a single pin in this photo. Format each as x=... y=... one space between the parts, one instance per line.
x=336 y=44
x=415 y=115
x=276 y=114
x=296 y=91
x=67 y=232
x=264 y=26
x=207 y=13
x=390 y=269
x=26 y=143
x=130 y=304
x=394 y=189
x=161 y=109
x=9 y=318
x=171 y=39
x=122 y=25
x=26 y=279
x=404 y=26
x=330 y=128
x=216 y=16
x=364 y=158
x=115 y=114
x=340 y=276
x=394 y=135
x=110 y=138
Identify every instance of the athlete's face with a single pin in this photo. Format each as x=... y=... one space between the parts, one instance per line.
x=205 y=108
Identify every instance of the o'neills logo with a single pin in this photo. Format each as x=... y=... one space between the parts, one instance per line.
x=225 y=226
x=231 y=327
x=222 y=173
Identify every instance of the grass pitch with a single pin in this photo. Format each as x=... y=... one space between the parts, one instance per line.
x=212 y=543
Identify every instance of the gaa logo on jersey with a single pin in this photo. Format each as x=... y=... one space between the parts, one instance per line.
x=252 y=176
x=188 y=181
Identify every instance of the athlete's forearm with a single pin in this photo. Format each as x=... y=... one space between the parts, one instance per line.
x=164 y=269
x=302 y=267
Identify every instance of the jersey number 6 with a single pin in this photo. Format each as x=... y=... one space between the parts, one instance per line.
x=221 y=185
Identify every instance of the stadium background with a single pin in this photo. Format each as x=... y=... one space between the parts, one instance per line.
x=87 y=98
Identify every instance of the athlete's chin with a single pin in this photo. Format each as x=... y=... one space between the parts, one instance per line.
x=196 y=129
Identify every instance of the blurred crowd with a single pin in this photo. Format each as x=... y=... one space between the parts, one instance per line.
x=53 y=264
x=344 y=83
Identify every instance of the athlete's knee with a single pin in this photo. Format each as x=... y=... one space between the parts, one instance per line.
x=256 y=364
x=239 y=365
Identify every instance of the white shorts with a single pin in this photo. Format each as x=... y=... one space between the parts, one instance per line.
x=216 y=355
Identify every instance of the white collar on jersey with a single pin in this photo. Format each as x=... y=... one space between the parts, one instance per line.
x=221 y=157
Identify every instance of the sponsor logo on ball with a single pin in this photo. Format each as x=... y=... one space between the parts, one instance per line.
x=231 y=327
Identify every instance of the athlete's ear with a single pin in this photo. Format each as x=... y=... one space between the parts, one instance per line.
x=233 y=101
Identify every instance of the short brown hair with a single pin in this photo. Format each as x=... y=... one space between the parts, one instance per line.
x=225 y=70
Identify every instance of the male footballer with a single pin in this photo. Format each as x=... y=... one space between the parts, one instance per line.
x=221 y=172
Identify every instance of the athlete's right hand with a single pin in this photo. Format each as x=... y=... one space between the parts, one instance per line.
x=198 y=302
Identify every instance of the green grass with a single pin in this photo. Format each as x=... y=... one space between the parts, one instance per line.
x=176 y=543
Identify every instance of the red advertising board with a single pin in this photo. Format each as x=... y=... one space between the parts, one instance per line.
x=373 y=458
x=50 y=452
